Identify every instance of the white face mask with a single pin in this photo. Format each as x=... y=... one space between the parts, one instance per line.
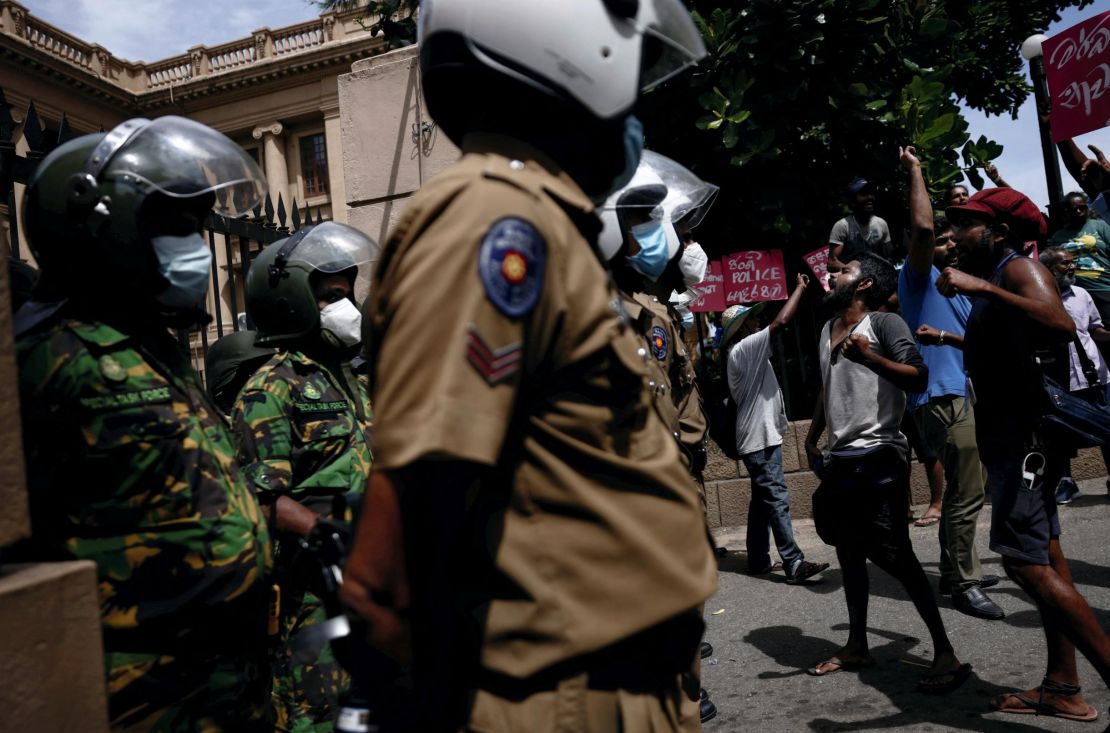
x=344 y=320
x=693 y=264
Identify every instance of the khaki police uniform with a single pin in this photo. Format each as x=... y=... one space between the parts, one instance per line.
x=497 y=340
x=674 y=385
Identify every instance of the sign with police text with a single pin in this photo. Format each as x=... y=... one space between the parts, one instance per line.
x=818 y=261
x=1077 y=66
x=712 y=291
x=754 y=276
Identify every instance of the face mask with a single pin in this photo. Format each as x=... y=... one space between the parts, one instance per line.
x=687 y=319
x=652 y=259
x=633 y=142
x=344 y=320
x=693 y=264
x=186 y=264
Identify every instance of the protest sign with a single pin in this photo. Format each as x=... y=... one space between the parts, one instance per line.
x=1077 y=67
x=818 y=261
x=754 y=276
x=712 y=291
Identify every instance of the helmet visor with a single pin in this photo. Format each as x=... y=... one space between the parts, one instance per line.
x=671 y=41
x=183 y=159
x=332 y=247
x=688 y=197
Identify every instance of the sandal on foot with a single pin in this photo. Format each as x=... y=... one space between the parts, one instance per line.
x=944 y=682
x=927 y=521
x=1029 y=706
x=838 y=664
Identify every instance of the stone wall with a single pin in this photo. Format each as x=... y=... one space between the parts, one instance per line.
x=728 y=488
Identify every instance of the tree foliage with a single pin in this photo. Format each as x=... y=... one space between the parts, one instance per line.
x=797 y=97
x=395 y=20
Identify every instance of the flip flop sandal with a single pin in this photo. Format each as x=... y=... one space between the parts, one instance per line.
x=927 y=521
x=1036 y=707
x=838 y=665
x=953 y=678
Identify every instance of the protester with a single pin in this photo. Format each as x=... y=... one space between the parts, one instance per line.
x=529 y=518
x=1088 y=377
x=302 y=429
x=956 y=195
x=1018 y=324
x=760 y=425
x=941 y=412
x=1088 y=240
x=868 y=363
x=862 y=228
x=129 y=464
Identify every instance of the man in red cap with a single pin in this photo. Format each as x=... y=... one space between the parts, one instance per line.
x=1016 y=324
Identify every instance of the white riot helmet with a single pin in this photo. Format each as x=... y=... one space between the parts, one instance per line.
x=597 y=53
x=643 y=198
x=688 y=197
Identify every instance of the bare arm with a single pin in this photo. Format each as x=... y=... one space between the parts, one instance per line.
x=787 y=313
x=375 y=582
x=292 y=516
x=1031 y=290
x=1073 y=160
x=816 y=428
x=930 y=336
x=921 y=214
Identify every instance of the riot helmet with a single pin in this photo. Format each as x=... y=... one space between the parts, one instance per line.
x=638 y=210
x=283 y=286
x=125 y=208
x=230 y=363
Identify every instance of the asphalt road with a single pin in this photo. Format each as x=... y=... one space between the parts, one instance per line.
x=765 y=633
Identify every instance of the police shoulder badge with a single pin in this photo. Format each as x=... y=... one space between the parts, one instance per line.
x=659 y=342
x=111 y=369
x=511 y=264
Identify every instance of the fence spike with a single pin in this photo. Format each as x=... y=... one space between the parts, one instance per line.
x=319 y=216
x=7 y=122
x=32 y=128
x=296 y=215
x=268 y=207
x=257 y=210
x=281 y=211
x=307 y=215
x=65 y=132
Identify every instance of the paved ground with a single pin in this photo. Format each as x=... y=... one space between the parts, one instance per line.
x=765 y=633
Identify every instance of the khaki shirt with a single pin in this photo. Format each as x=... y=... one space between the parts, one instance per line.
x=496 y=339
x=673 y=380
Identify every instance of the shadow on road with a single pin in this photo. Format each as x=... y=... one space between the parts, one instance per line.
x=895 y=675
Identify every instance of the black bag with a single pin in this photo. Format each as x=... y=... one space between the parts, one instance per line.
x=1072 y=420
x=720 y=410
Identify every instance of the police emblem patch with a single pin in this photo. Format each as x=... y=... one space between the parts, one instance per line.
x=511 y=264
x=659 y=342
x=311 y=392
x=112 y=370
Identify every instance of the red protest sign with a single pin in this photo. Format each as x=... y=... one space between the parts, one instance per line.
x=754 y=276
x=712 y=291
x=818 y=261
x=1077 y=66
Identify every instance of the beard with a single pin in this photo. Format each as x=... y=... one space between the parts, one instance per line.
x=978 y=260
x=839 y=298
x=1064 y=281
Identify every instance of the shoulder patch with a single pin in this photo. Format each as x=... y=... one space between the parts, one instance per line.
x=659 y=342
x=511 y=264
x=495 y=365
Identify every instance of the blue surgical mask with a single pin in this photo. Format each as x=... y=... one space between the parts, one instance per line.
x=186 y=264
x=687 y=319
x=652 y=258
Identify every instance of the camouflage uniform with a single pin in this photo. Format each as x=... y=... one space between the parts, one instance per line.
x=300 y=435
x=131 y=467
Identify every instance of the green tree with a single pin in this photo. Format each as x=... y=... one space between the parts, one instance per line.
x=797 y=97
x=395 y=20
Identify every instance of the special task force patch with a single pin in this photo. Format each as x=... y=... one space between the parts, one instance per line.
x=659 y=342
x=511 y=263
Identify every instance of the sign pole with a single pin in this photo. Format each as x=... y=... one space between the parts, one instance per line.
x=1048 y=150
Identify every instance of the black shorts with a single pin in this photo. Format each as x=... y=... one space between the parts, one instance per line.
x=863 y=501
x=1023 y=513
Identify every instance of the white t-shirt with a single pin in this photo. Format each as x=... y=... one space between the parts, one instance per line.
x=760 y=416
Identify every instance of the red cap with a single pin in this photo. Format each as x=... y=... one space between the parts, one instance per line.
x=1007 y=206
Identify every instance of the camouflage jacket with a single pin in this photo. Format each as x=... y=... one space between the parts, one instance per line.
x=300 y=434
x=130 y=466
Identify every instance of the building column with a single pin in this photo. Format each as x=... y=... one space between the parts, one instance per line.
x=273 y=159
x=333 y=141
